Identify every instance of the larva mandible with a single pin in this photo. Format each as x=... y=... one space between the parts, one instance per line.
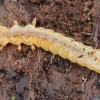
x=52 y=41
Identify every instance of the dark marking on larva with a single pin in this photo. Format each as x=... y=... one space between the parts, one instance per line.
x=80 y=56
x=95 y=59
x=90 y=53
x=71 y=40
x=83 y=48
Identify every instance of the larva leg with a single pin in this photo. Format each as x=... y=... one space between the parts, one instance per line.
x=1 y=47
x=34 y=22
x=15 y=22
x=32 y=47
x=19 y=47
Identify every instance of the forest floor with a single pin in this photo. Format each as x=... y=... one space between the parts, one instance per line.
x=40 y=75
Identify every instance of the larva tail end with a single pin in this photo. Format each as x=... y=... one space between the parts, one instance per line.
x=32 y=47
x=34 y=22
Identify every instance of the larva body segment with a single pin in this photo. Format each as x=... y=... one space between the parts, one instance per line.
x=27 y=40
x=63 y=52
x=54 y=42
x=38 y=41
x=72 y=56
x=46 y=45
x=55 y=48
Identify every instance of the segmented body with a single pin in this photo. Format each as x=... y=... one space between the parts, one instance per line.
x=54 y=42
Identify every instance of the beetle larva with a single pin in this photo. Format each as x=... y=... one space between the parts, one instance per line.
x=52 y=41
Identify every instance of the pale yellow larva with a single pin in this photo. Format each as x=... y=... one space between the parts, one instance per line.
x=52 y=41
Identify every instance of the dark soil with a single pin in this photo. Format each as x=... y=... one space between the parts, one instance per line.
x=40 y=75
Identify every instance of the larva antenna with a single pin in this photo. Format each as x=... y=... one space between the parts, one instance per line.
x=34 y=22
